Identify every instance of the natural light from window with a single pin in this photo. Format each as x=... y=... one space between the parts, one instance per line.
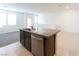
x=29 y=22
x=7 y=19
x=2 y=19
x=36 y=19
x=11 y=19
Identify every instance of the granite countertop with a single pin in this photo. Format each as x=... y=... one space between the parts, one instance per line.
x=42 y=32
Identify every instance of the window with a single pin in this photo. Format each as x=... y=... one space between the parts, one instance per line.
x=32 y=21
x=2 y=19
x=29 y=22
x=35 y=19
x=7 y=19
x=11 y=19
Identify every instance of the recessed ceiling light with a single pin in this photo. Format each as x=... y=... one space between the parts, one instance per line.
x=67 y=7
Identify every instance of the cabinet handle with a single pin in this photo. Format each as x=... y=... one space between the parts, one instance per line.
x=37 y=38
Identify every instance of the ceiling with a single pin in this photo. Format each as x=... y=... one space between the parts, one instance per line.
x=38 y=7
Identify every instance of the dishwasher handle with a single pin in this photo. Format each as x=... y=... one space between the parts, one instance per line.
x=36 y=37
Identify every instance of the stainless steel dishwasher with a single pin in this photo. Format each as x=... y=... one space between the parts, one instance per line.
x=37 y=45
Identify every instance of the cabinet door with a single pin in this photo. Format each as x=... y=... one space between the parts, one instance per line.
x=27 y=43
x=37 y=46
x=50 y=46
x=22 y=37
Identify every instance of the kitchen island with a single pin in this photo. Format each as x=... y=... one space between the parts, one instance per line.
x=40 y=42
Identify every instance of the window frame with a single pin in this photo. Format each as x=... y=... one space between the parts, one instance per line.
x=6 y=19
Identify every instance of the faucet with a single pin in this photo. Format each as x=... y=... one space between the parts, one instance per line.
x=32 y=27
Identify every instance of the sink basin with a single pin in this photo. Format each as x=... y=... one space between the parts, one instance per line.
x=28 y=29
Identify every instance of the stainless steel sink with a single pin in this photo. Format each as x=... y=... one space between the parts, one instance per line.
x=27 y=29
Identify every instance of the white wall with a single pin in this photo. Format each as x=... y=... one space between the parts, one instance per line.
x=20 y=20
x=67 y=20
x=47 y=20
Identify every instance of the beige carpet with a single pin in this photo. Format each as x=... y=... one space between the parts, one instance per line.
x=15 y=49
x=67 y=44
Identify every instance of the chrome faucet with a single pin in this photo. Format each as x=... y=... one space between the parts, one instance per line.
x=32 y=28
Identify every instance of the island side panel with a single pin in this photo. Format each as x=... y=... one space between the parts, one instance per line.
x=49 y=45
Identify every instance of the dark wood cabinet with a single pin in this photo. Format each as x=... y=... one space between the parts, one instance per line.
x=49 y=45
x=40 y=43
x=22 y=37
x=25 y=39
